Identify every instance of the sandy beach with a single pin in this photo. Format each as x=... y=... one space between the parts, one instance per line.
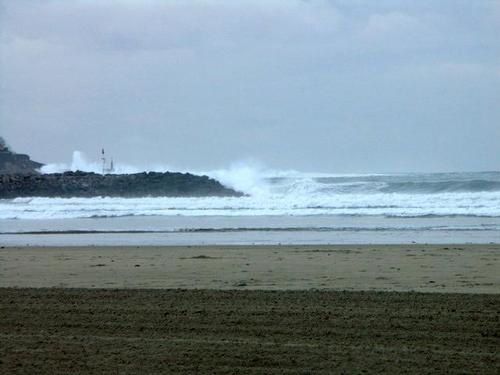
x=95 y=331
x=253 y=310
x=249 y=187
x=422 y=268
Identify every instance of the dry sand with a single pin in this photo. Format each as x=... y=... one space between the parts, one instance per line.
x=423 y=268
x=218 y=323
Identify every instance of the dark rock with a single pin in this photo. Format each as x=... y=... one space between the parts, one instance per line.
x=12 y=163
x=19 y=177
x=89 y=184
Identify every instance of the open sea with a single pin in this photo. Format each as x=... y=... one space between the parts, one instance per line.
x=279 y=208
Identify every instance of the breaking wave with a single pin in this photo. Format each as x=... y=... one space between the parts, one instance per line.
x=288 y=193
x=451 y=186
x=290 y=204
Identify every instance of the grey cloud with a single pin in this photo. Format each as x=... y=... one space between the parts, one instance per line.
x=335 y=86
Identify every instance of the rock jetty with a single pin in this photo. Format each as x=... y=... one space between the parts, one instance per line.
x=20 y=177
x=88 y=184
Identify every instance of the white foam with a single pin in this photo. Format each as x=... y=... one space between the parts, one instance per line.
x=269 y=193
x=81 y=162
x=468 y=204
x=248 y=176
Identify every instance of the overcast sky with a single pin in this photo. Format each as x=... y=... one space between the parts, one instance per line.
x=332 y=86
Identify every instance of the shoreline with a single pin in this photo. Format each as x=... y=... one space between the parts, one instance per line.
x=469 y=268
x=245 y=230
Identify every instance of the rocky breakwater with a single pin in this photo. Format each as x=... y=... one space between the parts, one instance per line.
x=86 y=184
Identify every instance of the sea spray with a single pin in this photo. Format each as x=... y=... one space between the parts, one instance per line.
x=245 y=176
x=289 y=193
x=81 y=162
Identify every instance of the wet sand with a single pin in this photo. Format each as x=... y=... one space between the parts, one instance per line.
x=252 y=310
x=423 y=268
x=67 y=331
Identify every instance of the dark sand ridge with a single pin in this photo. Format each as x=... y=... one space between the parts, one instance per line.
x=424 y=268
x=61 y=330
x=67 y=331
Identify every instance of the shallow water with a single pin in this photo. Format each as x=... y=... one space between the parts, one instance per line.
x=198 y=230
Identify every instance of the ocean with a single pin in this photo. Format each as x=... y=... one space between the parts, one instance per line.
x=279 y=208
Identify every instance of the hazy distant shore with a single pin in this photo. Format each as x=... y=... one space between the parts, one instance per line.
x=424 y=268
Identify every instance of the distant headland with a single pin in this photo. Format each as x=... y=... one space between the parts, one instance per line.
x=20 y=177
x=12 y=163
